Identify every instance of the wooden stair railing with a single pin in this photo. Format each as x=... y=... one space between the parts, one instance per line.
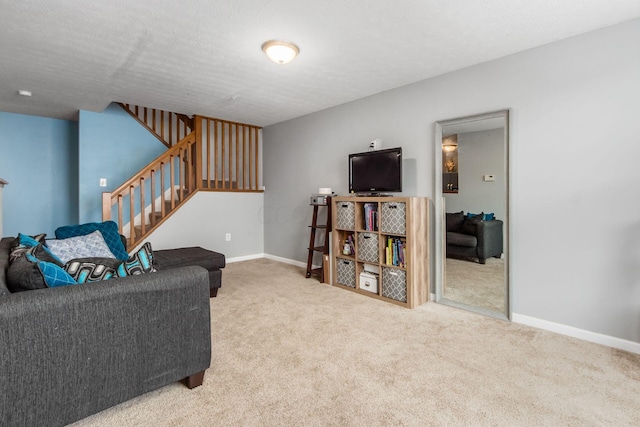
x=212 y=155
x=168 y=181
x=230 y=157
x=168 y=127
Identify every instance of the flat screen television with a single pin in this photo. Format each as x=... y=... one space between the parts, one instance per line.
x=376 y=171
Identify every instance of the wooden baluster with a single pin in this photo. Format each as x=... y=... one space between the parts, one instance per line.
x=132 y=208
x=152 y=221
x=256 y=159
x=250 y=156
x=237 y=171
x=244 y=158
x=162 y=191
x=173 y=141
x=208 y=146
x=162 y=114
x=120 y=203
x=181 y=174
x=216 y=159
x=224 y=146
x=197 y=156
x=172 y=177
x=142 y=208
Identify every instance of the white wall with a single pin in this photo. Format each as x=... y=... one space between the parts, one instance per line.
x=480 y=153
x=575 y=227
x=208 y=216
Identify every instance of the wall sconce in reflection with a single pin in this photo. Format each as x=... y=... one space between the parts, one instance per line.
x=449 y=148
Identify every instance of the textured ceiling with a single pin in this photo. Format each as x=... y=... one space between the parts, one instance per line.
x=204 y=57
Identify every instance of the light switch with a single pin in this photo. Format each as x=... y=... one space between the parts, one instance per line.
x=103 y=182
x=489 y=178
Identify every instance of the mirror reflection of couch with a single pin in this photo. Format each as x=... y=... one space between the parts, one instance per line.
x=474 y=236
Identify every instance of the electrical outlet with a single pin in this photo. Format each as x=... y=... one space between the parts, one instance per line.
x=227 y=237
x=103 y=182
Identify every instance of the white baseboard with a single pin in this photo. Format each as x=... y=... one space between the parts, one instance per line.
x=609 y=341
x=288 y=261
x=271 y=257
x=244 y=258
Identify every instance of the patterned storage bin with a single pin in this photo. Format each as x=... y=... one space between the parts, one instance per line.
x=346 y=272
x=394 y=284
x=393 y=218
x=368 y=247
x=346 y=215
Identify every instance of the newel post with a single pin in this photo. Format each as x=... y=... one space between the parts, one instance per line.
x=198 y=158
x=106 y=206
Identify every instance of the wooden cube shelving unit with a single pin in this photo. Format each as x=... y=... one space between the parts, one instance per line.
x=400 y=224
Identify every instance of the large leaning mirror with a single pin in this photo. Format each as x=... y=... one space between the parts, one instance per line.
x=472 y=213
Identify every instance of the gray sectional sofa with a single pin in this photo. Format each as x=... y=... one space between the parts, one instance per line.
x=71 y=351
x=473 y=237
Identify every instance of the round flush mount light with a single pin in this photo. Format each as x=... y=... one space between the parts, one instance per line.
x=280 y=51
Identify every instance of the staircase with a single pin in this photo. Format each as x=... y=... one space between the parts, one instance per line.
x=203 y=154
x=168 y=127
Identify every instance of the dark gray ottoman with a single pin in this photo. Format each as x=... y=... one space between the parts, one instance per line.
x=183 y=257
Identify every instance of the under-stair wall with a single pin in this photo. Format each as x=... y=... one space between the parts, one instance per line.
x=208 y=217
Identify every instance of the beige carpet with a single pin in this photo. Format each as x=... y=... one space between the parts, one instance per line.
x=472 y=283
x=291 y=351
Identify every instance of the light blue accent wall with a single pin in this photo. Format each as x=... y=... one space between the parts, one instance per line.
x=113 y=145
x=39 y=158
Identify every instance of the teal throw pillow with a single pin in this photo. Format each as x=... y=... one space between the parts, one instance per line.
x=485 y=216
x=53 y=275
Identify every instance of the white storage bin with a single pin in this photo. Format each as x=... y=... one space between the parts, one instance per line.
x=369 y=282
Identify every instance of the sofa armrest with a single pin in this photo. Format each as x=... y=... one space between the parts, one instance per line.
x=490 y=240
x=73 y=351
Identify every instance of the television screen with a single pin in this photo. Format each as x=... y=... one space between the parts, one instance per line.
x=376 y=171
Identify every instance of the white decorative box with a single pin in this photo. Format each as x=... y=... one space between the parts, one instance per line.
x=369 y=282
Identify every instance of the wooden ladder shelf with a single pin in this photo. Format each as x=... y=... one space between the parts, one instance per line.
x=322 y=248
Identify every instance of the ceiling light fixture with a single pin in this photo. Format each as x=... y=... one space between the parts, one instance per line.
x=280 y=51
x=24 y=93
x=449 y=148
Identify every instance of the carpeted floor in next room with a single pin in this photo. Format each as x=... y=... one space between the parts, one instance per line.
x=291 y=351
x=475 y=284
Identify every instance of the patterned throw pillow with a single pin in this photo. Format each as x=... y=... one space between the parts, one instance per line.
x=139 y=263
x=85 y=270
x=23 y=243
x=109 y=230
x=52 y=274
x=90 y=245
